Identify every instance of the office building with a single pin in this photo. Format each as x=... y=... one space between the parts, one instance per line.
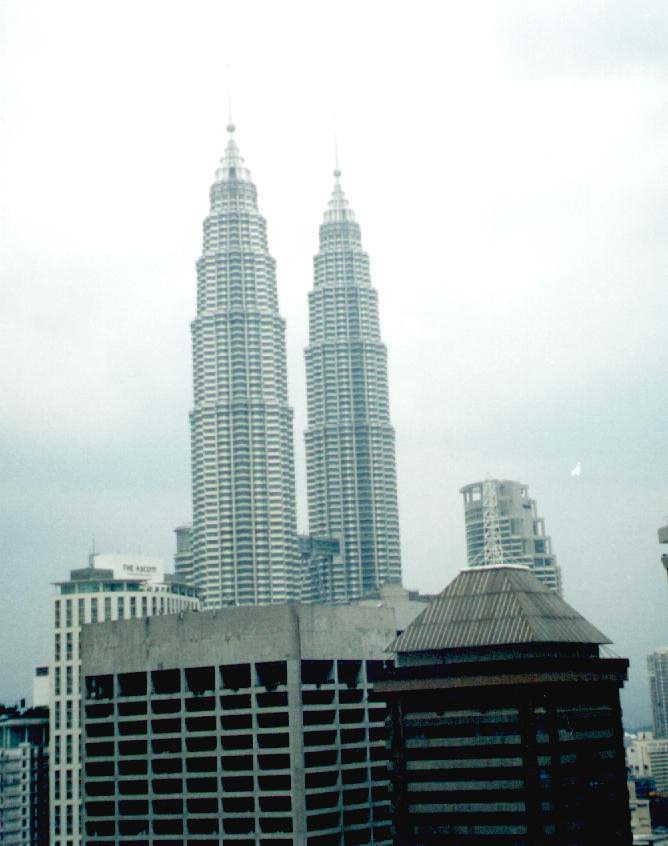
x=350 y=451
x=505 y=722
x=112 y=587
x=522 y=530
x=24 y=776
x=663 y=538
x=244 y=535
x=638 y=761
x=183 y=559
x=323 y=577
x=658 y=758
x=657 y=668
x=641 y=823
x=241 y=725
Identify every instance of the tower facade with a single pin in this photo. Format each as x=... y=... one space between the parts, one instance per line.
x=521 y=531
x=350 y=452
x=657 y=665
x=244 y=536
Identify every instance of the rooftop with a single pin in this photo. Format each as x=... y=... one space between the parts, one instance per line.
x=494 y=606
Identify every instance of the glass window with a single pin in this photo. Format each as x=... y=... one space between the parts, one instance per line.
x=57 y=613
x=68 y=613
x=82 y=616
x=107 y=608
x=120 y=605
x=93 y=610
x=57 y=647
x=69 y=648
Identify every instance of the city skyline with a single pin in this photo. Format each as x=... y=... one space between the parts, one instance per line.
x=520 y=265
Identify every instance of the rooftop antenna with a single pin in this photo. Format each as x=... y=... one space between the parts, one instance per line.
x=230 y=122
x=91 y=557
x=337 y=168
x=493 y=550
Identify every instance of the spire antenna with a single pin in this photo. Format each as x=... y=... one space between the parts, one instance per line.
x=230 y=122
x=337 y=168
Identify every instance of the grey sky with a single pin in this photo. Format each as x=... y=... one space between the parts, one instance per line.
x=507 y=164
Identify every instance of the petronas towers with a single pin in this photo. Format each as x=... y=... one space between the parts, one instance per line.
x=243 y=547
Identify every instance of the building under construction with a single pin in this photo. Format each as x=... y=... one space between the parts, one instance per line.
x=503 y=527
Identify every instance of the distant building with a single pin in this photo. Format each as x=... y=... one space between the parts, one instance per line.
x=641 y=823
x=350 y=443
x=663 y=538
x=657 y=667
x=41 y=688
x=637 y=755
x=183 y=559
x=241 y=725
x=112 y=587
x=323 y=575
x=24 y=777
x=522 y=531
x=505 y=722
x=658 y=756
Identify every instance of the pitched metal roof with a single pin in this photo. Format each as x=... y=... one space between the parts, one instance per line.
x=493 y=606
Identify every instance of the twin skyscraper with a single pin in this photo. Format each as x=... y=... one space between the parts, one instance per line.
x=243 y=547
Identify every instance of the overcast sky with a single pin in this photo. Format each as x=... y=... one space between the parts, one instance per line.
x=507 y=163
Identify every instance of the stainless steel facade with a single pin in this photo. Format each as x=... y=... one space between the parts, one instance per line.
x=244 y=537
x=350 y=449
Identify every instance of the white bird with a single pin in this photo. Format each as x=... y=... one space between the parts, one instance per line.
x=577 y=470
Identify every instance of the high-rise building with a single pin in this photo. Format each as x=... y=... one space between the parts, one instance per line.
x=244 y=536
x=240 y=725
x=657 y=667
x=322 y=571
x=112 y=587
x=505 y=721
x=522 y=531
x=183 y=559
x=24 y=776
x=350 y=452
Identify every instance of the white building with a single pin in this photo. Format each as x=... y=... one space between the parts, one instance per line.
x=112 y=587
x=637 y=754
x=244 y=532
x=658 y=756
x=350 y=445
x=522 y=530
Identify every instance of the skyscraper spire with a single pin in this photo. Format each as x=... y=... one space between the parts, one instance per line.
x=350 y=454
x=244 y=543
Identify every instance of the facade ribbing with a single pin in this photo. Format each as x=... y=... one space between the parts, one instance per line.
x=350 y=452
x=244 y=538
x=657 y=665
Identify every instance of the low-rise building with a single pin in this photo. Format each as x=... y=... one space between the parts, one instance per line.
x=242 y=725
x=505 y=722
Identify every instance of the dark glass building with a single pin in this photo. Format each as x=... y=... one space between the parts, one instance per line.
x=505 y=722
